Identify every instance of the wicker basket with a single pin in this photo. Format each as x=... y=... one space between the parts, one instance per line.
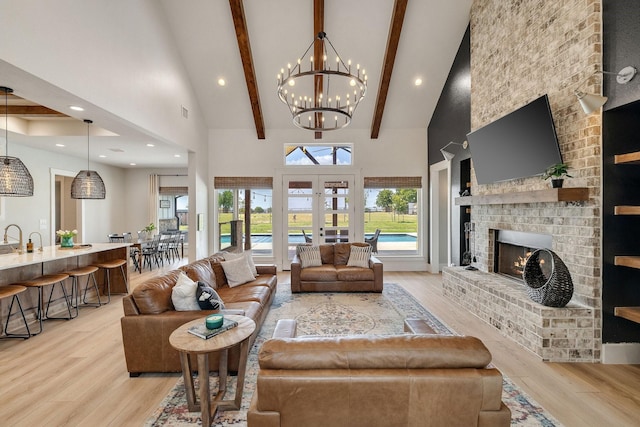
x=553 y=291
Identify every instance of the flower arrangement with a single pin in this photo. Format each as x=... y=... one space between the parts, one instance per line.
x=149 y=228
x=67 y=233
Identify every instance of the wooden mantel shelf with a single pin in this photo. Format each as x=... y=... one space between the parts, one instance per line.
x=629 y=313
x=572 y=194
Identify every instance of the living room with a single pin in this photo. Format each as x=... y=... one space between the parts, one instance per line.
x=504 y=75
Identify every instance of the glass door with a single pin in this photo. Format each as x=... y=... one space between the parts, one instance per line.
x=317 y=211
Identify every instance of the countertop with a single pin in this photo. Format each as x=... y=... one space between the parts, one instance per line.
x=52 y=253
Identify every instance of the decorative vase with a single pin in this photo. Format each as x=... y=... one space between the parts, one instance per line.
x=557 y=183
x=66 y=242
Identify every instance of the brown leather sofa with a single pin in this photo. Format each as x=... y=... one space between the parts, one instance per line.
x=334 y=275
x=369 y=381
x=150 y=317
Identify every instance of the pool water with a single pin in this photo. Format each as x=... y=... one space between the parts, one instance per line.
x=299 y=238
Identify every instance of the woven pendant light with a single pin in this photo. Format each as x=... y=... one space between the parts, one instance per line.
x=15 y=179
x=88 y=184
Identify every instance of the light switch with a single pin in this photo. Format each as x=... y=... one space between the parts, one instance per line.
x=43 y=224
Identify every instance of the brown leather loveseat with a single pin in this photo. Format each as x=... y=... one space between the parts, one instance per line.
x=370 y=381
x=334 y=275
x=150 y=317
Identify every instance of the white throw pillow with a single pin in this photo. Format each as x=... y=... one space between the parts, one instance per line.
x=309 y=256
x=237 y=271
x=183 y=294
x=359 y=256
x=252 y=266
x=247 y=255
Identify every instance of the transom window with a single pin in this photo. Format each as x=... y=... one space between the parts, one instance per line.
x=318 y=155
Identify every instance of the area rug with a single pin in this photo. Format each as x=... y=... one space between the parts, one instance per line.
x=335 y=314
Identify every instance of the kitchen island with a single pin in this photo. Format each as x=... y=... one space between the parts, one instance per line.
x=16 y=267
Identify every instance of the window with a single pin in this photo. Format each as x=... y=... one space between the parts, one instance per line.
x=392 y=205
x=248 y=200
x=173 y=211
x=320 y=155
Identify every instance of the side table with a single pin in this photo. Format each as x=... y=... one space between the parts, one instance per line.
x=187 y=344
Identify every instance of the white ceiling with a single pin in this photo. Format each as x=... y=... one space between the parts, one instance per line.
x=280 y=31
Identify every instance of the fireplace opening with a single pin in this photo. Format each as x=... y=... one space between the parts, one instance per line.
x=512 y=248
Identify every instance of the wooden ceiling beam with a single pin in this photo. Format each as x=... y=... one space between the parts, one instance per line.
x=244 y=46
x=29 y=110
x=395 y=29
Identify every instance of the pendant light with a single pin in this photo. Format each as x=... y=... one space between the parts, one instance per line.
x=88 y=184
x=15 y=179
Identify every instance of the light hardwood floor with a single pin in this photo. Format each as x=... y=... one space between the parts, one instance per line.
x=74 y=373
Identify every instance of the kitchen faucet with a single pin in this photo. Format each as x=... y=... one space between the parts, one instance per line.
x=20 y=250
x=38 y=233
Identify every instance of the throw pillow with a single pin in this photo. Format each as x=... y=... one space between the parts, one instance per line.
x=237 y=271
x=252 y=266
x=208 y=298
x=310 y=256
x=359 y=256
x=246 y=255
x=183 y=294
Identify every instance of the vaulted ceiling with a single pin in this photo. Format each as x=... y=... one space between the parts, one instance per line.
x=247 y=42
x=368 y=32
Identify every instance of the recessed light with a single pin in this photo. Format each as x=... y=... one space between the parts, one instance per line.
x=418 y=81
x=76 y=108
x=59 y=145
x=102 y=156
x=221 y=82
x=176 y=155
x=150 y=145
x=132 y=164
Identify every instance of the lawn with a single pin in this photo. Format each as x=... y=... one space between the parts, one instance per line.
x=387 y=222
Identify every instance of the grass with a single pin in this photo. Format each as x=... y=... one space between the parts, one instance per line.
x=387 y=222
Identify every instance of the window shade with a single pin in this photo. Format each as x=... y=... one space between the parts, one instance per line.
x=173 y=191
x=243 y=182
x=393 y=182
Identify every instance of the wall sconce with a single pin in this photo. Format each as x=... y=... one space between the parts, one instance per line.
x=591 y=102
x=449 y=155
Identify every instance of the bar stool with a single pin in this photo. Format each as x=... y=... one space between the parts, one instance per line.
x=107 y=266
x=75 y=276
x=40 y=283
x=13 y=291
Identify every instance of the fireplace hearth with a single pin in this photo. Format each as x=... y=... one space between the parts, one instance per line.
x=512 y=248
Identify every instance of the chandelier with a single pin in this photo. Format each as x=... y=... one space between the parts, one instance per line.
x=322 y=93
x=88 y=183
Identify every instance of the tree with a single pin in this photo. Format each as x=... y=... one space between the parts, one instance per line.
x=400 y=203
x=259 y=209
x=409 y=194
x=384 y=199
x=225 y=200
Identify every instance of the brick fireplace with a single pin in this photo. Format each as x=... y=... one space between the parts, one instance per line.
x=533 y=49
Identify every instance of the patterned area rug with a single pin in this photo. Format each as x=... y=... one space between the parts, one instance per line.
x=335 y=314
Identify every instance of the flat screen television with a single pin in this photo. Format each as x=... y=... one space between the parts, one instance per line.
x=521 y=144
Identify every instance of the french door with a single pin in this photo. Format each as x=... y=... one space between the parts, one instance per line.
x=318 y=209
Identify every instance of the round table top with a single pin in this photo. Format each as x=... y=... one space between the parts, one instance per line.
x=182 y=340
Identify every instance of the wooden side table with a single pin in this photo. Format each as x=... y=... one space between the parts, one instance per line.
x=187 y=344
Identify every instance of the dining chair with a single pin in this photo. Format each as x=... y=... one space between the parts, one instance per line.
x=150 y=253
x=115 y=238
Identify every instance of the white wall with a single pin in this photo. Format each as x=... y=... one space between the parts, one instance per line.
x=118 y=56
x=101 y=216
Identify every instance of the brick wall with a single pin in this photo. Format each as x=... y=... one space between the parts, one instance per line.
x=520 y=50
